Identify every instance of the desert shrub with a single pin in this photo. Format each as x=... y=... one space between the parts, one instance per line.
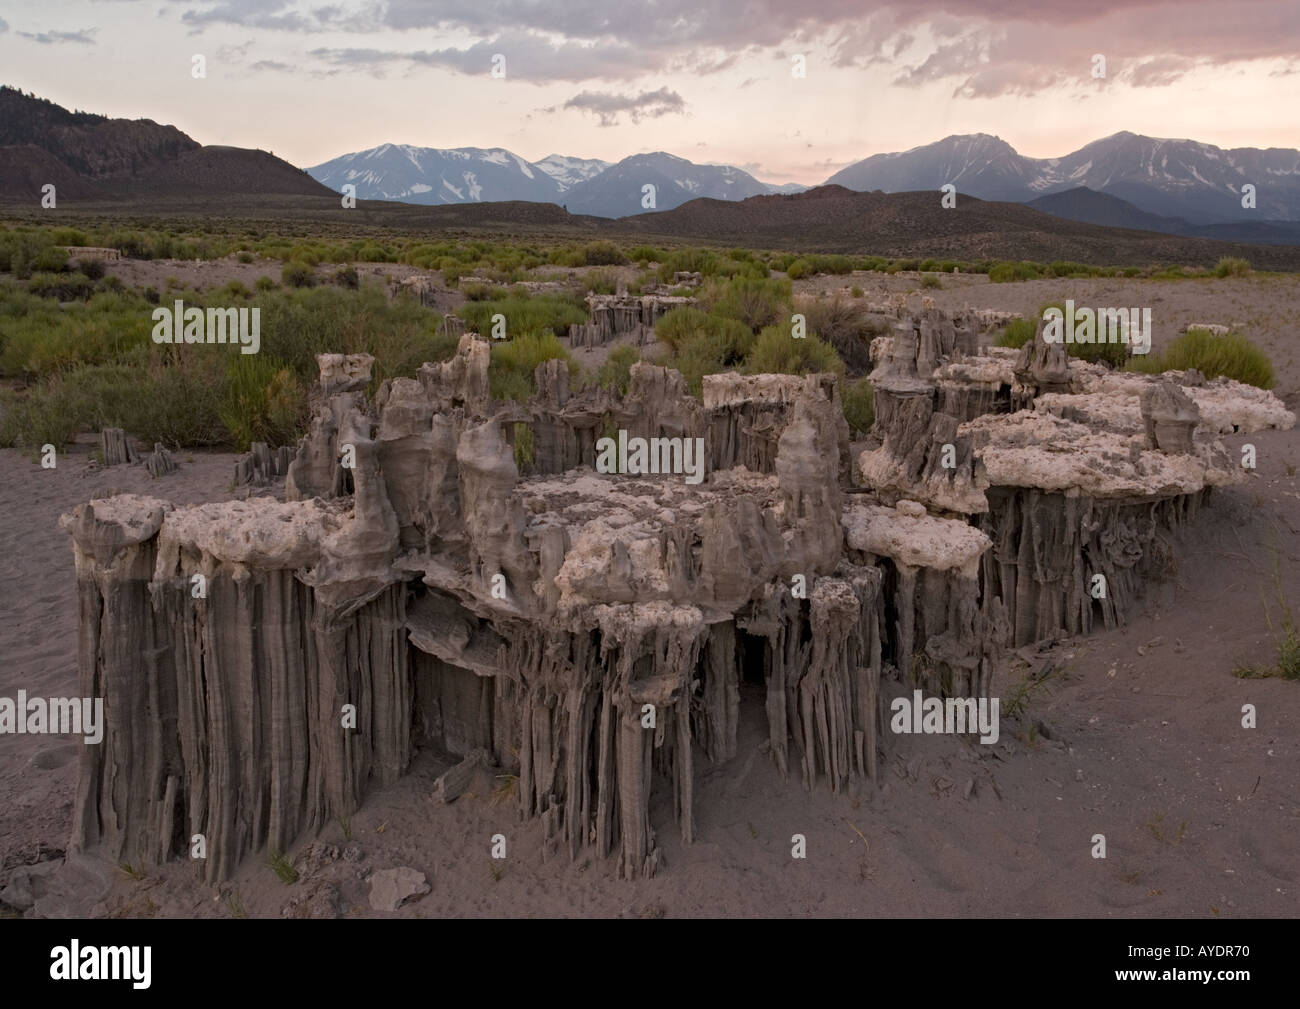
x=931 y=282
x=245 y=257
x=830 y=264
x=571 y=258
x=69 y=236
x=1230 y=354
x=858 y=400
x=264 y=283
x=778 y=352
x=526 y=316
x=299 y=324
x=263 y=400
x=296 y=273
x=843 y=325
x=511 y=373
x=1006 y=273
x=1231 y=266
x=39 y=337
x=1016 y=333
x=371 y=252
x=615 y=374
x=755 y=302
x=602 y=281
x=855 y=292
x=179 y=404
x=152 y=397
x=62 y=286
x=728 y=267
x=50 y=413
x=678 y=325
x=603 y=253
x=1112 y=354
x=798 y=269
x=27 y=252
x=645 y=254
x=309 y=253
x=478 y=292
x=701 y=261
x=50 y=260
x=730 y=339
x=702 y=353
x=737 y=339
x=346 y=276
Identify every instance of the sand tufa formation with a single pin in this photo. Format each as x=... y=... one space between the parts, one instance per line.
x=264 y=663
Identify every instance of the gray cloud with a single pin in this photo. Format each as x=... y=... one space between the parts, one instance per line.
x=84 y=37
x=1158 y=71
x=608 y=107
x=4 y=25
x=265 y=65
x=282 y=15
x=981 y=48
x=527 y=57
x=232 y=54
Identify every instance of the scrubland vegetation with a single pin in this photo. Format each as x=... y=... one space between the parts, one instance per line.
x=76 y=353
x=1230 y=354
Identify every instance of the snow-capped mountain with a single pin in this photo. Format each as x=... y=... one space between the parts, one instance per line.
x=434 y=175
x=1198 y=182
x=619 y=190
x=568 y=172
x=977 y=164
x=584 y=185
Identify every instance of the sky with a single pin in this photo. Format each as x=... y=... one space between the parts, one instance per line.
x=712 y=81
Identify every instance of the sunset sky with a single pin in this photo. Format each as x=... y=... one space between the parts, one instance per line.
x=709 y=80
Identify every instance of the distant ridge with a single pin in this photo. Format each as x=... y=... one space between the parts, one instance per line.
x=91 y=157
x=440 y=176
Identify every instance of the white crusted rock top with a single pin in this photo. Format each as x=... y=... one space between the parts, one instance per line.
x=101 y=529
x=1226 y=406
x=918 y=541
x=259 y=532
x=984 y=370
x=728 y=388
x=1042 y=450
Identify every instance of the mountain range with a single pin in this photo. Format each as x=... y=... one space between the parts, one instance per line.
x=437 y=176
x=1198 y=182
x=1161 y=187
x=1171 y=186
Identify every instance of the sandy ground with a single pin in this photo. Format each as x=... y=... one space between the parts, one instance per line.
x=1136 y=735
